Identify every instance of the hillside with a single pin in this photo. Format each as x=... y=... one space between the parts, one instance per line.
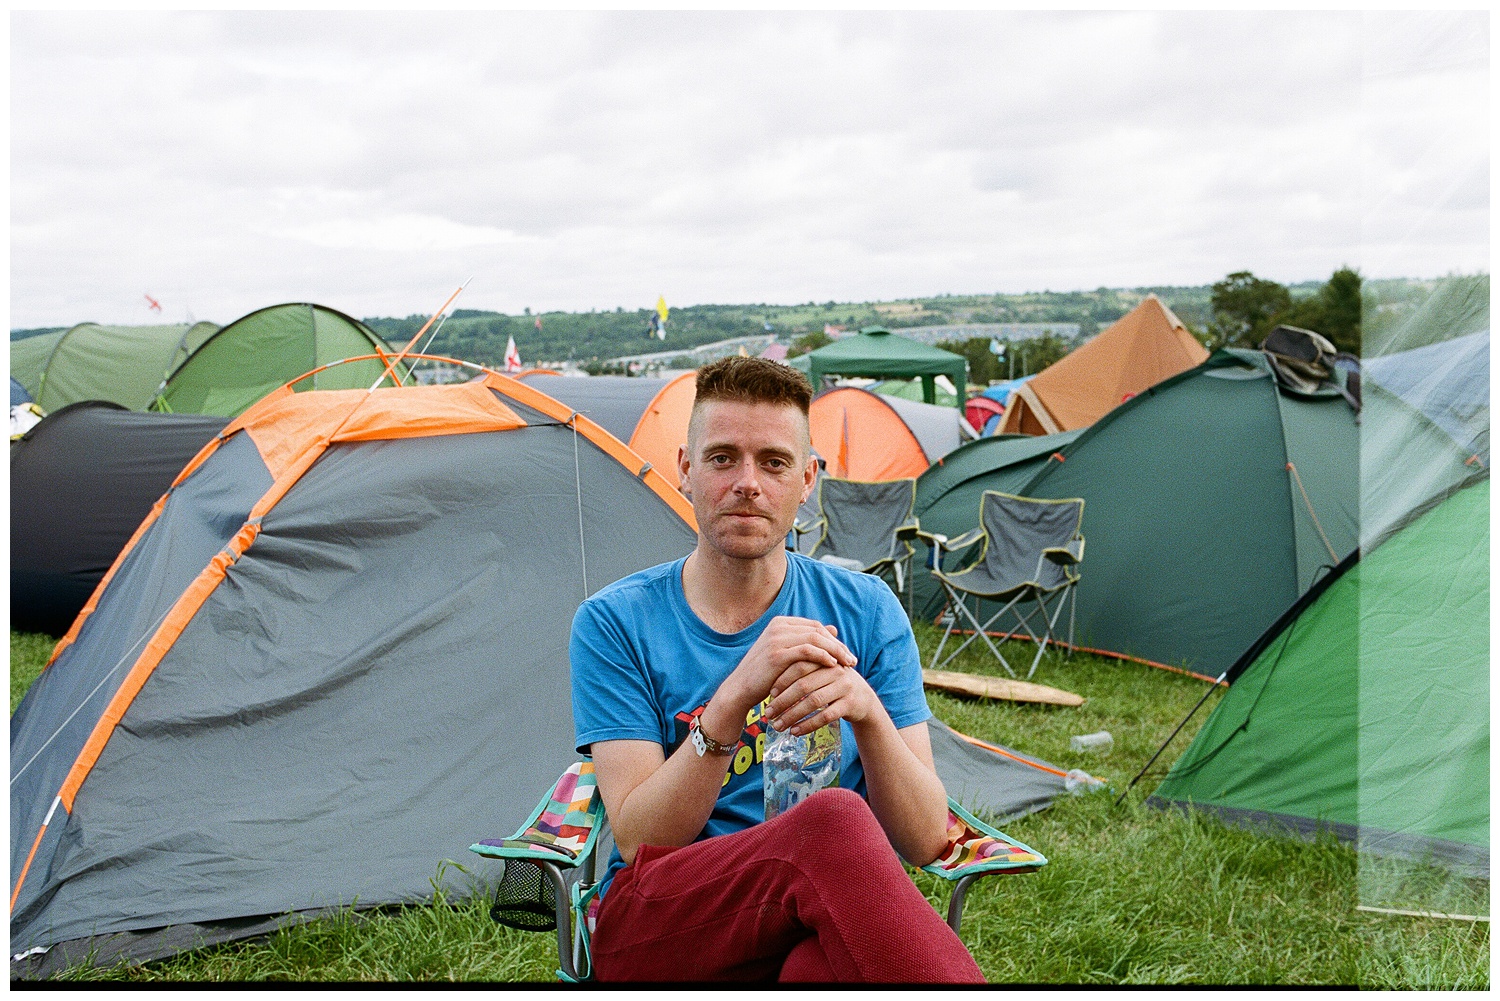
x=480 y=336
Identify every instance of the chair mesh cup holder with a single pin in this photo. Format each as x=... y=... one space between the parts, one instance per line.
x=525 y=899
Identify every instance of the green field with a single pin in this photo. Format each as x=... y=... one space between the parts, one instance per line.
x=1132 y=896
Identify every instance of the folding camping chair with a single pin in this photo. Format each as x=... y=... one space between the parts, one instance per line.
x=550 y=878
x=1031 y=552
x=861 y=526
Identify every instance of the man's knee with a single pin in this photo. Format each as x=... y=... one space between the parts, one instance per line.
x=837 y=813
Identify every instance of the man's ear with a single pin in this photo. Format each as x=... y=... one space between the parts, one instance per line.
x=682 y=471
x=809 y=478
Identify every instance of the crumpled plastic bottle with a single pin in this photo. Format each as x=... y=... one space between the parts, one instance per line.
x=796 y=767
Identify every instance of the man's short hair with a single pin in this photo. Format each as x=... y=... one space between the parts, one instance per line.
x=751 y=380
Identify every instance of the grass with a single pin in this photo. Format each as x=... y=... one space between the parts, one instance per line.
x=1132 y=895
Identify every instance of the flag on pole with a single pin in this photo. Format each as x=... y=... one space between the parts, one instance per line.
x=661 y=313
x=512 y=356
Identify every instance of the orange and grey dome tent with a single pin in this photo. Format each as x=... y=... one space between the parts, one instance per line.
x=333 y=654
x=1143 y=347
x=870 y=436
x=663 y=426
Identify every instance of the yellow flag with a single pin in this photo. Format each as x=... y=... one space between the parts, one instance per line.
x=661 y=307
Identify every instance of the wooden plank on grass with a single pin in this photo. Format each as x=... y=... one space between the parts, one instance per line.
x=998 y=688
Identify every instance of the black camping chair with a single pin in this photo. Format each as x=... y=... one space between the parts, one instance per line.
x=1031 y=552
x=864 y=526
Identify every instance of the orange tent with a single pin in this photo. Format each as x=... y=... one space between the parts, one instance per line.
x=663 y=426
x=861 y=437
x=1143 y=347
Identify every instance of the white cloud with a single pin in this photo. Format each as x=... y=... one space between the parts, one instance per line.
x=372 y=161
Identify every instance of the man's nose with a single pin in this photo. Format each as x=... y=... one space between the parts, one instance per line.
x=747 y=484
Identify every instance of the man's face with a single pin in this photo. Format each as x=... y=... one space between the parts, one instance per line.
x=746 y=468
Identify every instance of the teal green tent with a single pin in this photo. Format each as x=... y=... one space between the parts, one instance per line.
x=91 y=361
x=264 y=349
x=1212 y=500
x=876 y=353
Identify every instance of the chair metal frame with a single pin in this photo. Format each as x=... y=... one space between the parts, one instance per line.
x=1067 y=557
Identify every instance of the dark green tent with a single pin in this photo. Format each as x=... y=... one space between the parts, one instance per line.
x=1212 y=500
x=264 y=349
x=91 y=361
x=876 y=353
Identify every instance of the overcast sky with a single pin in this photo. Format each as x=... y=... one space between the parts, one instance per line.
x=372 y=162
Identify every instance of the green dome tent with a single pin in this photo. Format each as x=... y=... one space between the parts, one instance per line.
x=258 y=352
x=1212 y=500
x=1366 y=710
x=91 y=361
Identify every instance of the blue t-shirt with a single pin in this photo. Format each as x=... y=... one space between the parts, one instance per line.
x=644 y=665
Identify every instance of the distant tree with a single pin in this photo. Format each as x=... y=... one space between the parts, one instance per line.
x=1037 y=353
x=1244 y=309
x=808 y=342
x=983 y=366
x=1333 y=312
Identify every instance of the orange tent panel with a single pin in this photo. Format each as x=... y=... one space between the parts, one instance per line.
x=663 y=427
x=1143 y=347
x=862 y=438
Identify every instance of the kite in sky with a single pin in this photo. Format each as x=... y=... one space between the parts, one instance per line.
x=152 y=303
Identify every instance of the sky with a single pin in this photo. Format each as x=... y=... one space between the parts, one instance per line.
x=374 y=161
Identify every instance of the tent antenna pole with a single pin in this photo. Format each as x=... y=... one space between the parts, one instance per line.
x=390 y=365
x=1217 y=681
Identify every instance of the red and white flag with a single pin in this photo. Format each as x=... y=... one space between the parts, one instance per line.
x=512 y=356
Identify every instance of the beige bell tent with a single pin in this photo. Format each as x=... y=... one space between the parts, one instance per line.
x=1143 y=347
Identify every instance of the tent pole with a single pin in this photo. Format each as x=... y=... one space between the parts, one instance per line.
x=1217 y=681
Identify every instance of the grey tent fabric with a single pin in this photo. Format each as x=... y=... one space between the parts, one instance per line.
x=18 y=393
x=1003 y=783
x=1449 y=382
x=614 y=402
x=860 y=521
x=939 y=430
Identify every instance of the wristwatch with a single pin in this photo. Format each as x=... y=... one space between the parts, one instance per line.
x=702 y=742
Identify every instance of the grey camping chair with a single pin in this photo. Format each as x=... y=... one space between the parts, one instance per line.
x=863 y=526
x=1030 y=557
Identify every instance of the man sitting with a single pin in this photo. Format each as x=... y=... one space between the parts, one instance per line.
x=678 y=670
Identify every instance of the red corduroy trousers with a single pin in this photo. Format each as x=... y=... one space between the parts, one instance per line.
x=815 y=895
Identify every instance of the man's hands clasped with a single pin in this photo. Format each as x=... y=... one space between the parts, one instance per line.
x=803 y=667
